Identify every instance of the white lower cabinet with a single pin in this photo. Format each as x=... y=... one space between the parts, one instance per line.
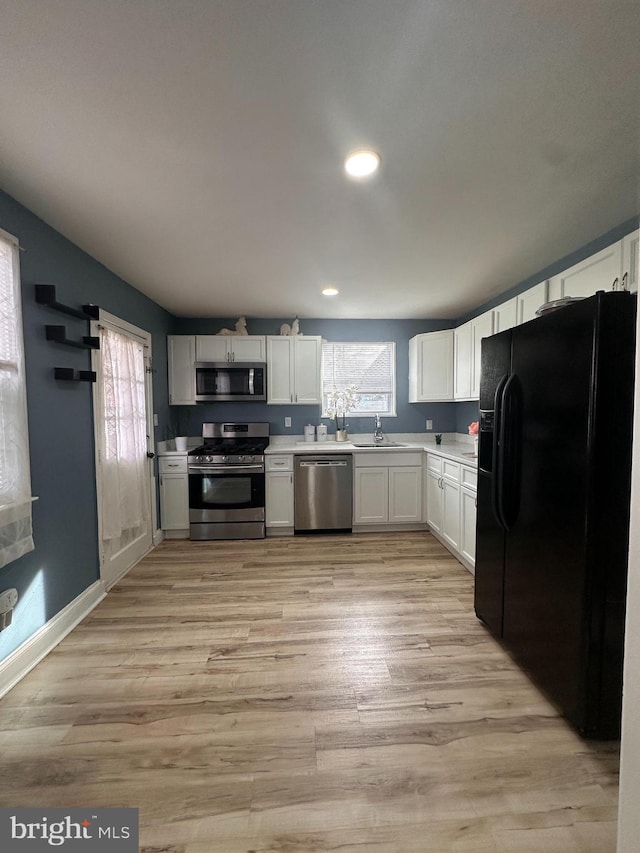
x=174 y=496
x=451 y=506
x=467 y=545
x=279 y=493
x=387 y=488
x=371 y=496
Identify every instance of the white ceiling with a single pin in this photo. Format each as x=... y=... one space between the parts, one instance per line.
x=195 y=147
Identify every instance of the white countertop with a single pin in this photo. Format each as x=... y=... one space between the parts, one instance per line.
x=459 y=451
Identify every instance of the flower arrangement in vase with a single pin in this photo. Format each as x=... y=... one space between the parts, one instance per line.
x=339 y=404
x=473 y=430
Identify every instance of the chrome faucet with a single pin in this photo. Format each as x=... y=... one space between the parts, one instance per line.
x=377 y=433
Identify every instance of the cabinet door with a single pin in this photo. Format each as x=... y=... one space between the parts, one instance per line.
x=462 y=359
x=213 y=348
x=505 y=316
x=405 y=494
x=598 y=272
x=481 y=327
x=279 y=499
x=431 y=367
x=630 y=260
x=371 y=496
x=450 y=512
x=248 y=348
x=279 y=369
x=182 y=375
x=531 y=300
x=307 y=360
x=468 y=524
x=174 y=502
x=434 y=502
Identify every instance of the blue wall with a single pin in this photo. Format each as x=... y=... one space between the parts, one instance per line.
x=410 y=416
x=65 y=560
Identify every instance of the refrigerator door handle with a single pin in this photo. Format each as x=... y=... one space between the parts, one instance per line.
x=509 y=452
x=496 y=453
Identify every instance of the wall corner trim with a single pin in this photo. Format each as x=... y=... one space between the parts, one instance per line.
x=21 y=661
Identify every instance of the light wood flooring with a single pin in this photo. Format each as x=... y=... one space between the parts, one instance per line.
x=330 y=693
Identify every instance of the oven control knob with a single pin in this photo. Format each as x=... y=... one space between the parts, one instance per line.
x=225 y=459
x=241 y=458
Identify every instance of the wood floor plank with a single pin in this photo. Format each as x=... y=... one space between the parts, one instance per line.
x=310 y=693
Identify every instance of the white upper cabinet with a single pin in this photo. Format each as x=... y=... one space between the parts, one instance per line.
x=531 y=300
x=505 y=316
x=293 y=369
x=597 y=272
x=468 y=340
x=630 y=261
x=216 y=348
x=462 y=361
x=431 y=367
x=181 y=372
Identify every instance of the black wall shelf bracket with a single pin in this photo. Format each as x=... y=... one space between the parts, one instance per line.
x=59 y=335
x=70 y=375
x=46 y=295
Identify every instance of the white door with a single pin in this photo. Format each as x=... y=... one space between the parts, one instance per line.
x=123 y=428
x=371 y=496
x=307 y=361
x=405 y=494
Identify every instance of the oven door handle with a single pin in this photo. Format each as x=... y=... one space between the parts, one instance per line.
x=224 y=469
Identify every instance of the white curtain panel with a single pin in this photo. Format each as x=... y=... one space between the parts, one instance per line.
x=125 y=498
x=16 y=536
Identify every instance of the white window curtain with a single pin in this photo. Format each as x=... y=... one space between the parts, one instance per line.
x=125 y=497
x=370 y=366
x=16 y=533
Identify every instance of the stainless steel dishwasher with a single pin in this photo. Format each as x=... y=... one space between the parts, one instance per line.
x=322 y=492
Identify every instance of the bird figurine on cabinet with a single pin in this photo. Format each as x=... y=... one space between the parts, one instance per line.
x=293 y=329
x=240 y=329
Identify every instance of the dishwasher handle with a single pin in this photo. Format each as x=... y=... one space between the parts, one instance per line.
x=325 y=463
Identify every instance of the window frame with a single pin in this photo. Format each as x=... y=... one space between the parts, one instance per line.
x=16 y=526
x=392 y=412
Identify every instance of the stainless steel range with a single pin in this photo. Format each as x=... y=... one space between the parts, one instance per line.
x=226 y=482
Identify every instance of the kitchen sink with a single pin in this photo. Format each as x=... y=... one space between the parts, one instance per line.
x=378 y=446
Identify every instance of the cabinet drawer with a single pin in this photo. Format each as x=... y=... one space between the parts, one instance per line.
x=434 y=463
x=451 y=470
x=172 y=464
x=279 y=463
x=469 y=477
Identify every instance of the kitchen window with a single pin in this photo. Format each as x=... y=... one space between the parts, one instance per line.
x=370 y=366
x=16 y=536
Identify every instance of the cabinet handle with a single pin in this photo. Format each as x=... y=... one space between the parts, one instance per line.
x=625 y=279
x=614 y=286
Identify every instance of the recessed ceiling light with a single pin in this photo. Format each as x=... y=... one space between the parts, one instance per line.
x=330 y=291
x=362 y=163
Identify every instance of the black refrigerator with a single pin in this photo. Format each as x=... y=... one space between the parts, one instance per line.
x=554 y=480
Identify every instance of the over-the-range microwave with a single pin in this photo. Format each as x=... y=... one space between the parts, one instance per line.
x=224 y=381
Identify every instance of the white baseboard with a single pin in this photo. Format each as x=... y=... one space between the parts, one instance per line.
x=21 y=661
x=158 y=536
